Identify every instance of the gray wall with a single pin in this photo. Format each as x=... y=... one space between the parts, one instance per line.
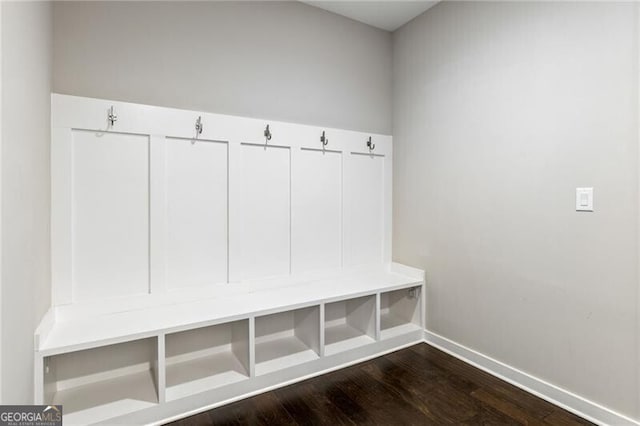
x=500 y=111
x=25 y=185
x=276 y=60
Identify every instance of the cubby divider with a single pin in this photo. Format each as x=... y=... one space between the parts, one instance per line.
x=400 y=312
x=206 y=358
x=349 y=324
x=287 y=338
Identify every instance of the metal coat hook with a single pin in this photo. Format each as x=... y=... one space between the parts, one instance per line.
x=199 y=126
x=324 y=139
x=111 y=116
x=267 y=133
x=371 y=145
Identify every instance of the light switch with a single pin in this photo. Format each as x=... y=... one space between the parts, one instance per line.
x=584 y=199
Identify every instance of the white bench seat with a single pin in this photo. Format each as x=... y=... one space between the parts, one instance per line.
x=223 y=303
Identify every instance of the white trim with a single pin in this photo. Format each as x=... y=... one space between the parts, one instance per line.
x=387 y=202
x=563 y=398
x=61 y=216
x=1 y=281
x=157 y=215
x=637 y=12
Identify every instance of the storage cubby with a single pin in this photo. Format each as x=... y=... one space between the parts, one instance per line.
x=399 y=312
x=206 y=358
x=349 y=324
x=286 y=339
x=97 y=384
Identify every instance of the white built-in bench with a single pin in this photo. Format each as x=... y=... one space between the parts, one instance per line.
x=192 y=268
x=219 y=346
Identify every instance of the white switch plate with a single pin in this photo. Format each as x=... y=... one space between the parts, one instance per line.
x=584 y=199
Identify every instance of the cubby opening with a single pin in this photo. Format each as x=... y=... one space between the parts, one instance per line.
x=349 y=324
x=97 y=384
x=399 y=312
x=286 y=339
x=206 y=358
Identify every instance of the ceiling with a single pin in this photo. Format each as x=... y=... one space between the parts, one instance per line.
x=386 y=15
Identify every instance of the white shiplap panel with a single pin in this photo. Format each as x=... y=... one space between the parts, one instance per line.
x=264 y=224
x=364 y=191
x=317 y=211
x=196 y=212
x=110 y=213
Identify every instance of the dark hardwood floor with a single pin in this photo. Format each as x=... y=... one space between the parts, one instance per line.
x=419 y=385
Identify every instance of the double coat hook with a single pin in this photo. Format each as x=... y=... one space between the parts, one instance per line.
x=267 y=133
x=199 y=127
x=324 y=139
x=111 y=116
x=370 y=145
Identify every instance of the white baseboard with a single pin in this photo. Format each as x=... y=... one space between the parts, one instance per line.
x=578 y=405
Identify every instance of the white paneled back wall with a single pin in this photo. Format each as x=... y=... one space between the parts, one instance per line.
x=147 y=205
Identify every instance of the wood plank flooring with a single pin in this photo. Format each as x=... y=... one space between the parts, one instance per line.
x=419 y=385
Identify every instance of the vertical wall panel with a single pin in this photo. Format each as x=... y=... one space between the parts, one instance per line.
x=149 y=212
x=110 y=215
x=196 y=209
x=364 y=212
x=317 y=211
x=61 y=215
x=264 y=222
